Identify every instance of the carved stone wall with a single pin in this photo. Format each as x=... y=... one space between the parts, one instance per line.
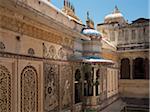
x=26 y=26
x=51 y=91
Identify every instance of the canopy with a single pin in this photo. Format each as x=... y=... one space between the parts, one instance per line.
x=96 y=59
x=91 y=59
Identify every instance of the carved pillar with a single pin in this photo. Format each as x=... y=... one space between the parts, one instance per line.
x=94 y=79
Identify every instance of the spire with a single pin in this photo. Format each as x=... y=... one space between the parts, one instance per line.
x=89 y=22
x=88 y=15
x=116 y=10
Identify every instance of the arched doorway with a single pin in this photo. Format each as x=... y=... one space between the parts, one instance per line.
x=125 y=68
x=78 y=86
x=138 y=68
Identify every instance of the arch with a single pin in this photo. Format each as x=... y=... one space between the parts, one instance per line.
x=138 y=68
x=77 y=75
x=78 y=86
x=29 y=90
x=88 y=83
x=125 y=68
x=5 y=89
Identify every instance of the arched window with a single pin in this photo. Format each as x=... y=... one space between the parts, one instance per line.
x=125 y=68
x=138 y=68
x=88 y=84
x=78 y=86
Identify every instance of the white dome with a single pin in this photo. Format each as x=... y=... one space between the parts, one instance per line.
x=114 y=15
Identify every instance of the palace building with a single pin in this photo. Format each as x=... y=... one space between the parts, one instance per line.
x=51 y=62
x=132 y=50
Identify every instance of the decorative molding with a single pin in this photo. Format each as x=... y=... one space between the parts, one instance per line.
x=26 y=26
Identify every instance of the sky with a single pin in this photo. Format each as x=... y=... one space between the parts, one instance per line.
x=98 y=9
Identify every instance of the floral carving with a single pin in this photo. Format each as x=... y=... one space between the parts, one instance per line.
x=61 y=53
x=29 y=90
x=52 y=51
x=5 y=90
x=31 y=51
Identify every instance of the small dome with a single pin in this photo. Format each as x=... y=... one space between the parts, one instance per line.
x=91 y=32
x=115 y=16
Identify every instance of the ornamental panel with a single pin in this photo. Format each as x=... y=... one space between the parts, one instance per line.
x=29 y=90
x=5 y=89
x=66 y=86
x=51 y=88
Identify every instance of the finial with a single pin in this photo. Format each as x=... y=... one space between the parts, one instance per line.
x=64 y=2
x=116 y=7
x=88 y=15
x=116 y=10
x=69 y=4
x=73 y=9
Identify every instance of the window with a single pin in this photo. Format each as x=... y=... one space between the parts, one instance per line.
x=126 y=35
x=133 y=34
x=88 y=84
x=78 y=86
x=125 y=68
x=120 y=36
x=138 y=68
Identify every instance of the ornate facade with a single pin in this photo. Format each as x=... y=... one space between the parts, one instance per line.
x=131 y=41
x=45 y=60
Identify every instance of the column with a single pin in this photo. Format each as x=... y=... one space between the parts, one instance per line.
x=94 y=79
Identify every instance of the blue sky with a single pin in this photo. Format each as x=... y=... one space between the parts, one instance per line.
x=98 y=9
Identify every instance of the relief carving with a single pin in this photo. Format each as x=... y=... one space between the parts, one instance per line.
x=29 y=90
x=19 y=23
x=52 y=51
x=51 y=88
x=31 y=51
x=2 y=46
x=61 y=53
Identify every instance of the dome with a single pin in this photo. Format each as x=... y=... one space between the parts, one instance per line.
x=115 y=16
x=91 y=32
